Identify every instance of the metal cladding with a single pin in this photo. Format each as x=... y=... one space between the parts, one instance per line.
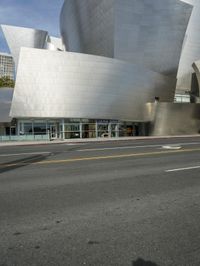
x=59 y=84
x=175 y=118
x=196 y=67
x=119 y=55
x=18 y=37
x=54 y=44
x=88 y=27
x=149 y=33
x=6 y=95
x=191 y=49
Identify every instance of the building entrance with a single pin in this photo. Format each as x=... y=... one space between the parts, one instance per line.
x=53 y=132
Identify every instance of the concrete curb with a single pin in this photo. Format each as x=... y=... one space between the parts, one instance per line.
x=80 y=141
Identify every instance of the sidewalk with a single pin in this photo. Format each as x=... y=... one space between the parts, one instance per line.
x=77 y=141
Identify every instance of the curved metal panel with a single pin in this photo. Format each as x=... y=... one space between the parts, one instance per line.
x=6 y=95
x=191 y=49
x=18 y=37
x=149 y=33
x=61 y=84
x=54 y=44
x=175 y=118
x=196 y=67
x=87 y=26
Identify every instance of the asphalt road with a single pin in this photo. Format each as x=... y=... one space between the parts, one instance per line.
x=119 y=203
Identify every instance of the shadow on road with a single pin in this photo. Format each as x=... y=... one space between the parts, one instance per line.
x=12 y=165
x=141 y=262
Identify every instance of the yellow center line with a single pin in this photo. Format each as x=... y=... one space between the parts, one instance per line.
x=99 y=158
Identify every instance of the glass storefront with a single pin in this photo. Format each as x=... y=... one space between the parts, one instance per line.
x=88 y=130
x=38 y=127
x=79 y=128
x=72 y=131
x=27 y=129
x=103 y=130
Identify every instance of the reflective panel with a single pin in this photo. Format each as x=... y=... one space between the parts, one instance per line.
x=191 y=49
x=60 y=84
x=6 y=95
x=18 y=37
x=147 y=33
x=175 y=119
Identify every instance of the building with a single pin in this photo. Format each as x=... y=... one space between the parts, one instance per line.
x=5 y=104
x=190 y=51
x=113 y=58
x=6 y=70
x=6 y=66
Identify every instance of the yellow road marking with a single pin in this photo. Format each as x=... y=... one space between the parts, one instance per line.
x=99 y=158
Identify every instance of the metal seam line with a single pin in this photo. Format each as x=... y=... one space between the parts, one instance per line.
x=100 y=157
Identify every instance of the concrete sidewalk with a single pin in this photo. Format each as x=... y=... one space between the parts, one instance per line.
x=76 y=141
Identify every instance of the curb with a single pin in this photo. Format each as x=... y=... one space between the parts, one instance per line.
x=80 y=141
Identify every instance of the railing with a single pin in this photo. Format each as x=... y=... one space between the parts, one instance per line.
x=24 y=138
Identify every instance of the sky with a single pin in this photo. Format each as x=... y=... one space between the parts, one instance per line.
x=38 y=14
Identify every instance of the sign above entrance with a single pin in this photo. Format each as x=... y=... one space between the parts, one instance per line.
x=104 y=121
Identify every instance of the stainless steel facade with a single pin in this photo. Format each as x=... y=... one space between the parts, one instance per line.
x=196 y=67
x=18 y=37
x=174 y=118
x=147 y=33
x=114 y=57
x=88 y=27
x=191 y=49
x=54 y=44
x=72 y=85
x=6 y=95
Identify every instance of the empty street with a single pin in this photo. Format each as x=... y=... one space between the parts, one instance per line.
x=115 y=203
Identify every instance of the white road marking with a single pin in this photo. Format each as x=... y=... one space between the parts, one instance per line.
x=28 y=153
x=182 y=169
x=119 y=148
x=171 y=147
x=75 y=144
x=136 y=147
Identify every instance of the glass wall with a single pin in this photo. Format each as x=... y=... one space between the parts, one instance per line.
x=38 y=127
x=79 y=128
x=182 y=98
x=102 y=129
x=72 y=131
x=26 y=129
x=88 y=130
x=129 y=129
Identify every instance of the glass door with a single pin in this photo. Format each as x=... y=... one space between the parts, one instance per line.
x=103 y=131
x=53 y=131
